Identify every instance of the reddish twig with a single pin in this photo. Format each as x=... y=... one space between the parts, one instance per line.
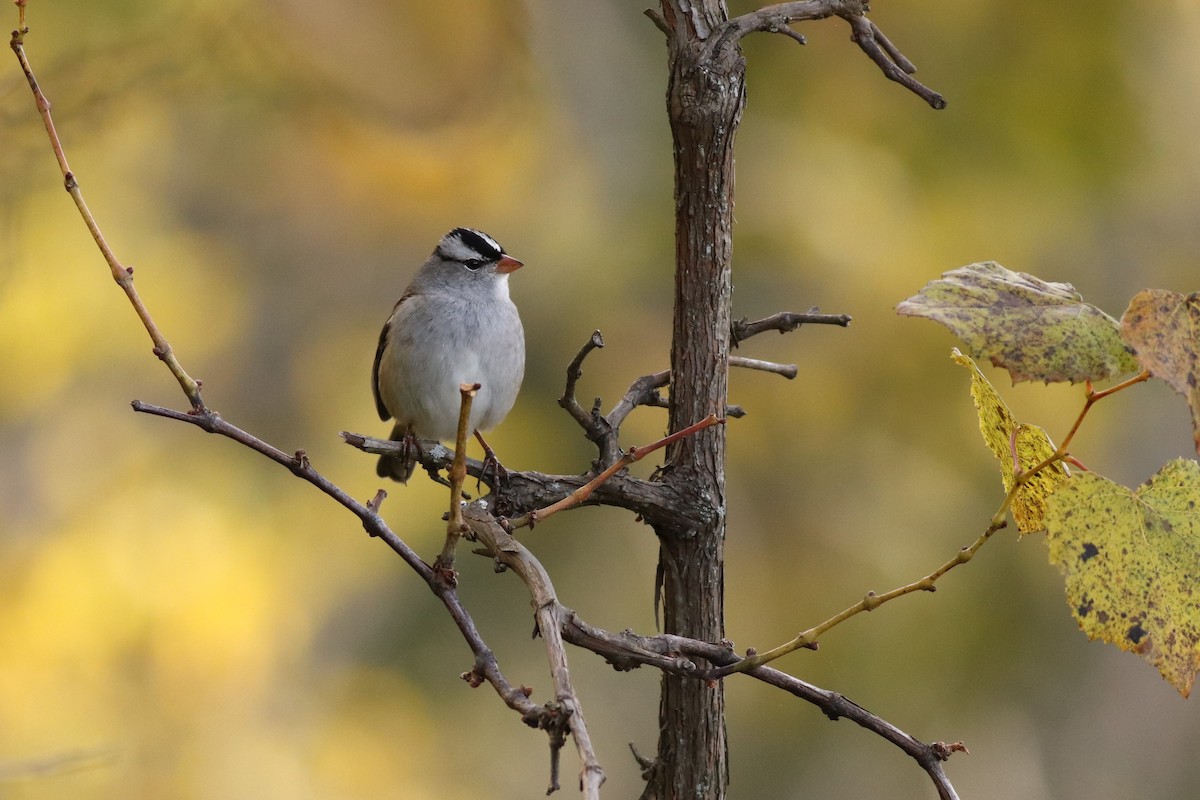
x=580 y=495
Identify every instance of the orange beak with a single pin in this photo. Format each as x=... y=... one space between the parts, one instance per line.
x=508 y=264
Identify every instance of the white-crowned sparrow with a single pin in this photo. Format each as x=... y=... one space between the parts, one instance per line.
x=454 y=324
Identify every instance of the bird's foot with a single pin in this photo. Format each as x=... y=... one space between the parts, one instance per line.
x=492 y=464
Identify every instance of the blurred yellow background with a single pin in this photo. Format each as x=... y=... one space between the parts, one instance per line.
x=180 y=618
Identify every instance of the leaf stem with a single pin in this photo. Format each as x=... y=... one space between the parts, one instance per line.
x=1092 y=397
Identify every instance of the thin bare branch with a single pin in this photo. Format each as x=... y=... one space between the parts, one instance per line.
x=892 y=51
x=1091 y=398
x=900 y=71
x=121 y=274
x=779 y=18
x=784 y=322
x=548 y=614
x=786 y=370
x=580 y=495
x=808 y=639
x=485 y=667
x=837 y=706
x=458 y=473
x=627 y=650
x=643 y=391
x=676 y=654
x=659 y=21
x=524 y=491
x=574 y=372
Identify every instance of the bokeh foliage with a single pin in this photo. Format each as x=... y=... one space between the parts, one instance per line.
x=181 y=619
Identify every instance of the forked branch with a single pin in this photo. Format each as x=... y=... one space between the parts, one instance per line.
x=679 y=655
x=779 y=18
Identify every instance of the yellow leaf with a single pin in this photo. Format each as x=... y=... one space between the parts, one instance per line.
x=1005 y=437
x=1131 y=559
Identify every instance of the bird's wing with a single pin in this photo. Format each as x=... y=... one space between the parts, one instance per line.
x=384 y=414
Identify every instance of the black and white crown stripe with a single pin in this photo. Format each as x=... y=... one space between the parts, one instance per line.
x=471 y=247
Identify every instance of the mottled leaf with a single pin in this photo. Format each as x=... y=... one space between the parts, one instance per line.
x=1131 y=560
x=1163 y=328
x=1034 y=329
x=1004 y=436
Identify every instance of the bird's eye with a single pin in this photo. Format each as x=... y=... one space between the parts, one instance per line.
x=473 y=263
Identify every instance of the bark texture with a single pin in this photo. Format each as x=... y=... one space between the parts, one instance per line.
x=705 y=96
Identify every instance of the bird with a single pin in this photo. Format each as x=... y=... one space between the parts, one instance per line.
x=455 y=324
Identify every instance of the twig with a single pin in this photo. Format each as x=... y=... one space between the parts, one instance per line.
x=892 y=51
x=603 y=430
x=659 y=21
x=641 y=392
x=568 y=712
x=677 y=654
x=866 y=34
x=299 y=465
x=597 y=429
x=786 y=370
x=574 y=372
x=1093 y=397
x=1062 y=452
x=529 y=489
x=808 y=639
x=485 y=667
x=458 y=473
x=837 y=706
x=784 y=322
x=121 y=274
x=580 y=495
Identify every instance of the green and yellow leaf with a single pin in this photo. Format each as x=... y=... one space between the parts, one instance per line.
x=1035 y=329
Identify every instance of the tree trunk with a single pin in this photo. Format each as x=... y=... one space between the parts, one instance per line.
x=705 y=96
